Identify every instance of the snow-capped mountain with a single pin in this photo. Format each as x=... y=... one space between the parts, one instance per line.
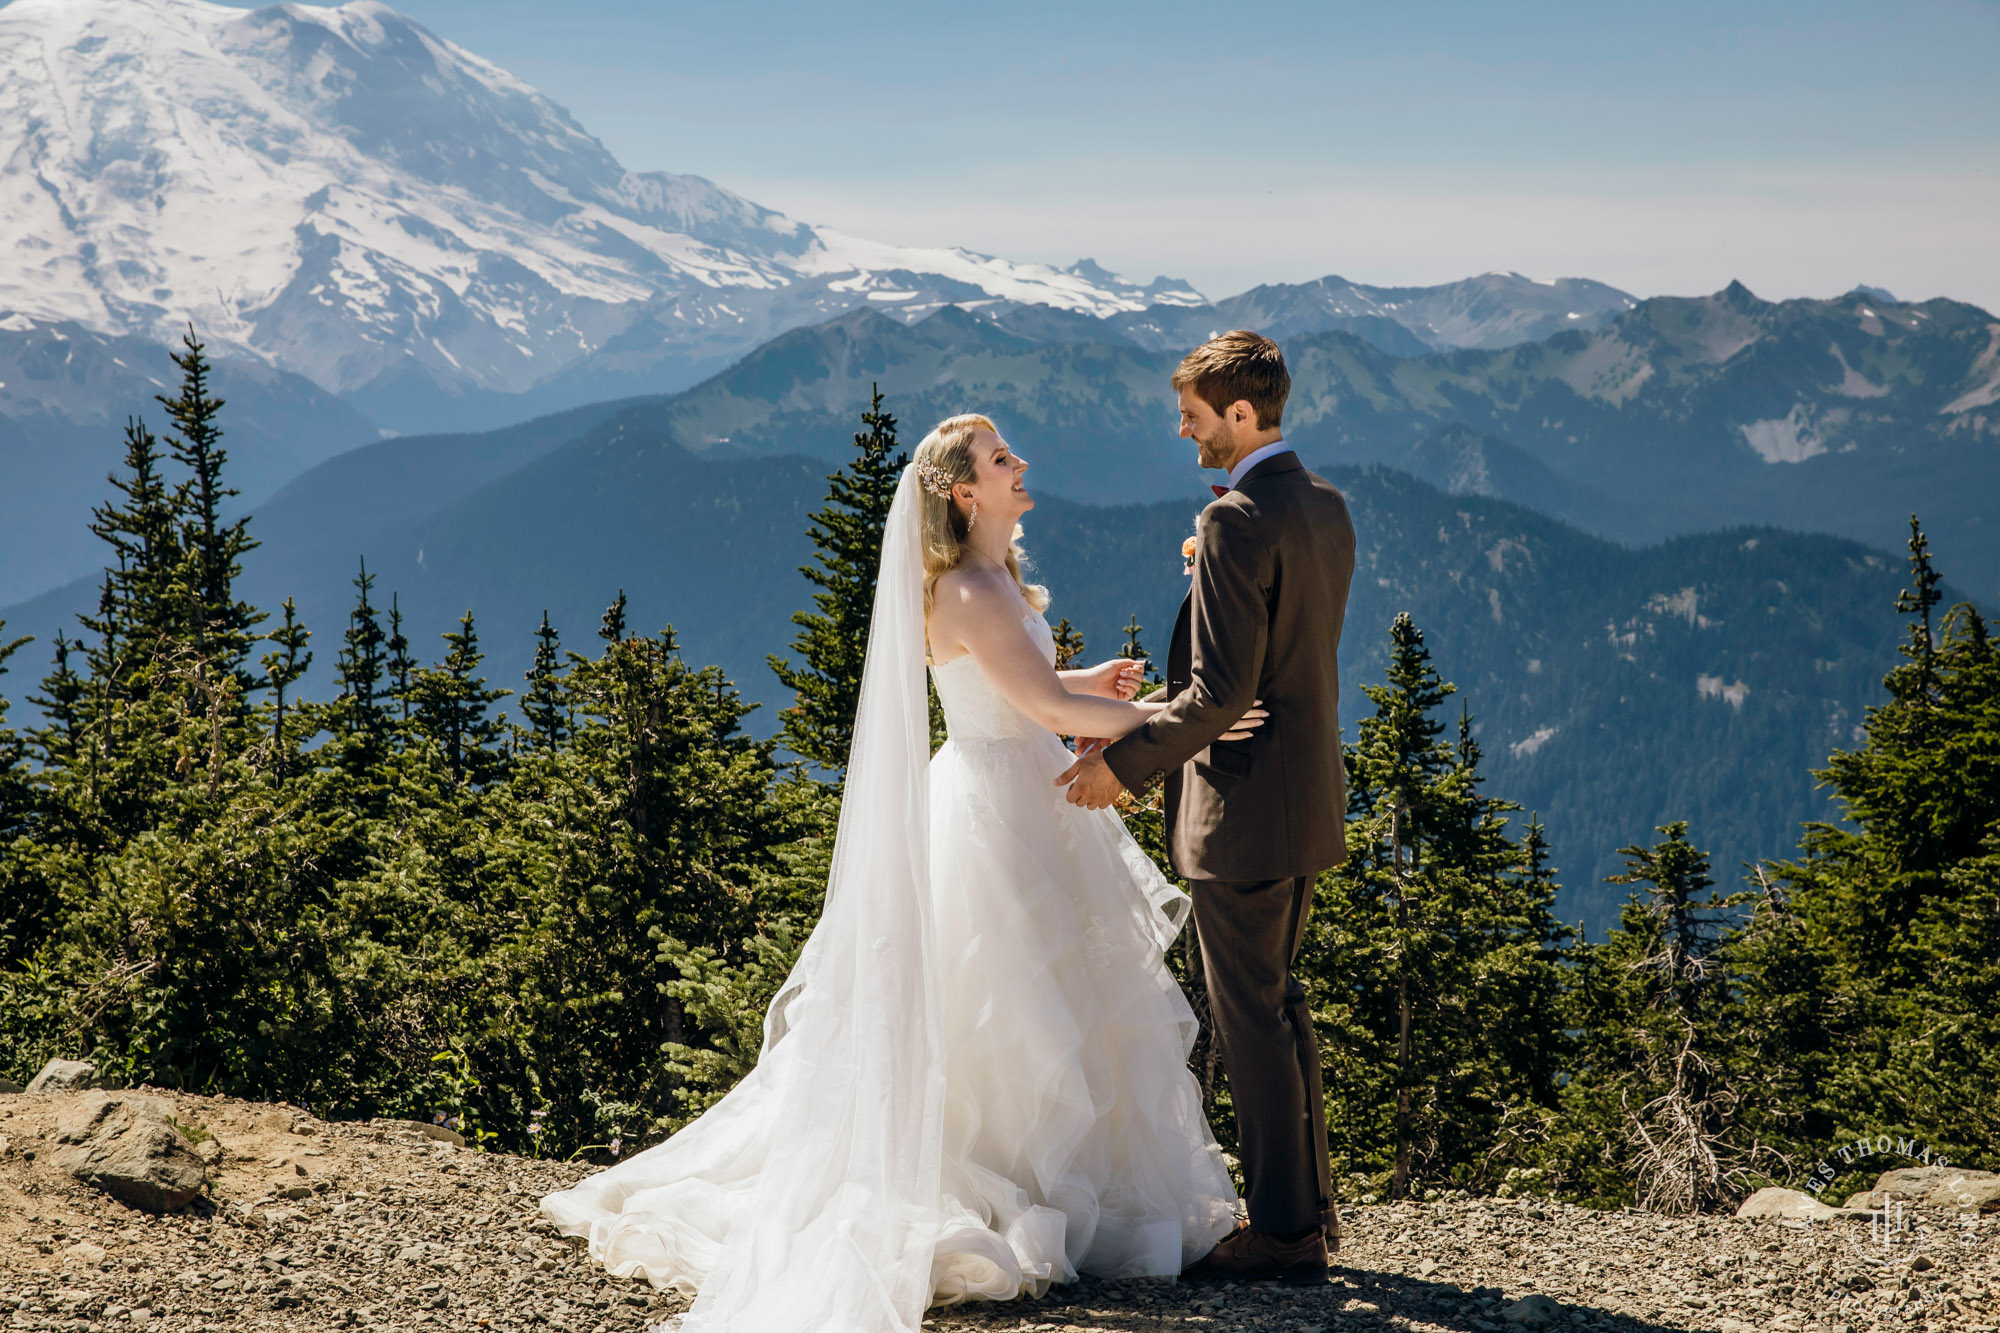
x=1490 y=311
x=346 y=195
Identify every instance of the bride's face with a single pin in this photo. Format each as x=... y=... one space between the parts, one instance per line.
x=996 y=481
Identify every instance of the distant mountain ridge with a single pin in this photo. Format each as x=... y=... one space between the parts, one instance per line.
x=1490 y=311
x=1678 y=415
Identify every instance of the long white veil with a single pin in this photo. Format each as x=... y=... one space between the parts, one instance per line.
x=839 y=1234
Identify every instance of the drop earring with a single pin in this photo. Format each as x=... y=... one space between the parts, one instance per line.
x=973 y=517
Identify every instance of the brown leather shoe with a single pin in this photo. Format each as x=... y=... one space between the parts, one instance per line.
x=1247 y=1256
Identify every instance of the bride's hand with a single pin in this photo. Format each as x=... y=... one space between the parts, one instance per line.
x=1117 y=679
x=1246 y=724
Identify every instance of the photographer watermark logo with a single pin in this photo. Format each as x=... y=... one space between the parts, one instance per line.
x=1928 y=1205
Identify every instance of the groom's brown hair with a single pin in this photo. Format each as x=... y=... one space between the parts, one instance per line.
x=1238 y=365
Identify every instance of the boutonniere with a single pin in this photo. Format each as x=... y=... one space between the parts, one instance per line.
x=1187 y=555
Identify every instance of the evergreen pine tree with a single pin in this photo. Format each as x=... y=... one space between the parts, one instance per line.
x=833 y=640
x=612 y=628
x=543 y=704
x=659 y=826
x=1891 y=920
x=128 y=709
x=58 y=742
x=283 y=669
x=1135 y=649
x=212 y=549
x=359 y=717
x=25 y=903
x=360 y=661
x=1672 y=1076
x=400 y=664
x=1919 y=601
x=136 y=608
x=1433 y=961
x=1069 y=644
x=451 y=703
x=15 y=790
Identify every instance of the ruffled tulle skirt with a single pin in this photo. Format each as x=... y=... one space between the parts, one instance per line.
x=1073 y=1138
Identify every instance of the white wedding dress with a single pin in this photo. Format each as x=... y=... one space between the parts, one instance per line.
x=974 y=1085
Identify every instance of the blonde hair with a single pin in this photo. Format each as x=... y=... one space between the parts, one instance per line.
x=948 y=449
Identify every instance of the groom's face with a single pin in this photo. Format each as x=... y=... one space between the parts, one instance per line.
x=1214 y=432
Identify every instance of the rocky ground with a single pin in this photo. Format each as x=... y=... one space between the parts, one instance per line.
x=308 y=1225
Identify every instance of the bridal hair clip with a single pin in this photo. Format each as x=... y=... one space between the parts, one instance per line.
x=935 y=480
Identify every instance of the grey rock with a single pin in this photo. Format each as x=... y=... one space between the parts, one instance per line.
x=1786 y=1205
x=8 y=1087
x=125 y=1146
x=83 y=1252
x=413 y=1127
x=1934 y=1187
x=1533 y=1311
x=64 y=1076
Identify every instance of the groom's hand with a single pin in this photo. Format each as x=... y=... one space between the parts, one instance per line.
x=1091 y=782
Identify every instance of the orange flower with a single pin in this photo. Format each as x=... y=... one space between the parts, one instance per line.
x=1187 y=555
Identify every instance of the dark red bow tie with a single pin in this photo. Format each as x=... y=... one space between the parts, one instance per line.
x=1220 y=491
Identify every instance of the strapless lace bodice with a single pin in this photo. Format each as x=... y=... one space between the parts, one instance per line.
x=974 y=709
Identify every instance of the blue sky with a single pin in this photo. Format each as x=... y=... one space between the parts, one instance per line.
x=1800 y=147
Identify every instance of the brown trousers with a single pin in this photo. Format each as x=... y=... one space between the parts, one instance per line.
x=1250 y=935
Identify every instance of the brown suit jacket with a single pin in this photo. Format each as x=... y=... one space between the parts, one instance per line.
x=1262 y=619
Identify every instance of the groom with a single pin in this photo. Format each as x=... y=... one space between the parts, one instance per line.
x=1251 y=823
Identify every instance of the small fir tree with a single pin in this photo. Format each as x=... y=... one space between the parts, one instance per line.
x=284 y=667
x=1434 y=962
x=543 y=703
x=1069 y=644
x=612 y=628
x=400 y=664
x=212 y=549
x=833 y=640
x=25 y=903
x=452 y=702
x=143 y=555
x=58 y=742
x=1674 y=1087
x=1135 y=648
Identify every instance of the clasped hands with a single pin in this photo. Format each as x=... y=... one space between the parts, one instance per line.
x=1094 y=786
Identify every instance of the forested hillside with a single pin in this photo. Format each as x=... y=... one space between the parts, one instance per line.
x=1614 y=688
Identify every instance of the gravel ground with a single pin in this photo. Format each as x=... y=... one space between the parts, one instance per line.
x=309 y=1225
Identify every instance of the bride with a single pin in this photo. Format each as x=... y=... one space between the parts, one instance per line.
x=974 y=1083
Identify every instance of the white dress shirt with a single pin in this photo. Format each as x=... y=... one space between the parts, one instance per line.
x=1255 y=457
